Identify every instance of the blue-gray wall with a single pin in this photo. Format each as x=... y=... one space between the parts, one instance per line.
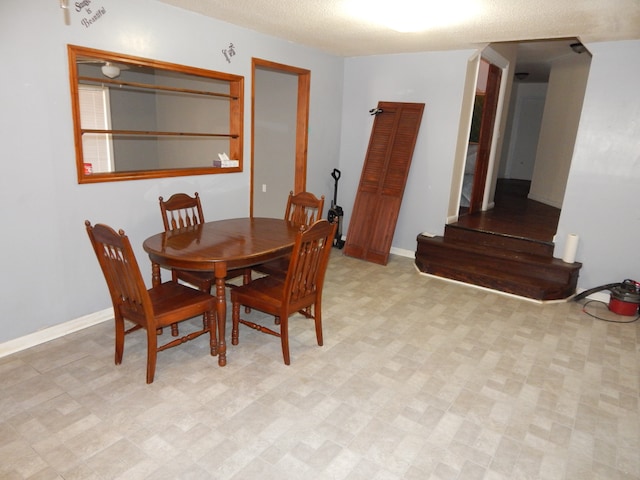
x=49 y=273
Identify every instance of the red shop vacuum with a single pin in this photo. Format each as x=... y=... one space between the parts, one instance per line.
x=624 y=296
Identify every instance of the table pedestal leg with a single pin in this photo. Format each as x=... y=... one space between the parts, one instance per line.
x=221 y=312
x=156 y=280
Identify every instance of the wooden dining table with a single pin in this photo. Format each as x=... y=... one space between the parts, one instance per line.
x=217 y=247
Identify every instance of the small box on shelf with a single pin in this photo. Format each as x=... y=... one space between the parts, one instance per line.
x=225 y=162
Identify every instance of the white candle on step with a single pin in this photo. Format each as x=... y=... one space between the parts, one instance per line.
x=570 y=248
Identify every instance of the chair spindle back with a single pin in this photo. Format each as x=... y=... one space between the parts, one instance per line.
x=303 y=208
x=309 y=261
x=181 y=211
x=121 y=271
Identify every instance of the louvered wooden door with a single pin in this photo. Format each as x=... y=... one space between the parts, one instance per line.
x=384 y=176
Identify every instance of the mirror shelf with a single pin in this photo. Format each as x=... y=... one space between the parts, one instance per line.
x=142 y=118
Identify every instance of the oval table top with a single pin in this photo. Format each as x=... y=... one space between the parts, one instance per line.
x=237 y=242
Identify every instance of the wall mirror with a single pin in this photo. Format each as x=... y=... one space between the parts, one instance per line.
x=140 y=118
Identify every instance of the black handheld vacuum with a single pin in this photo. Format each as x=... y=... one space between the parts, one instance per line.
x=335 y=213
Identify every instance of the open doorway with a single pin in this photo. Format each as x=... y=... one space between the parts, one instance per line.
x=549 y=81
x=280 y=117
x=534 y=154
x=509 y=244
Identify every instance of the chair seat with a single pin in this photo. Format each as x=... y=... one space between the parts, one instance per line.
x=172 y=300
x=265 y=293
x=277 y=267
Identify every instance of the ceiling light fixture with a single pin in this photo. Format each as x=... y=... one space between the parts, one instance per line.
x=412 y=15
x=109 y=70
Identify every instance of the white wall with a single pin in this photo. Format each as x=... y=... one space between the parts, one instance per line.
x=50 y=274
x=434 y=78
x=522 y=131
x=601 y=198
x=562 y=109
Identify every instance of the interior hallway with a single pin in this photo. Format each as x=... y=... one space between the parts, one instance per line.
x=419 y=378
x=515 y=215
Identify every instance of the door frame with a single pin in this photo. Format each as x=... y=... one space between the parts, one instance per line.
x=503 y=64
x=486 y=145
x=302 y=120
x=462 y=143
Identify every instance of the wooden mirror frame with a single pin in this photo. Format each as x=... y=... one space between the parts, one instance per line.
x=236 y=112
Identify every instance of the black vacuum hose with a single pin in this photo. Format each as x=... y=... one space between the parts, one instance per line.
x=586 y=293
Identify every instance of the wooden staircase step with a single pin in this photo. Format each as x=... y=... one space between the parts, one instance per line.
x=497 y=258
x=498 y=240
x=541 y=277
x=514 y=284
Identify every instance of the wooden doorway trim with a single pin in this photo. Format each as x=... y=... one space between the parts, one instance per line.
x=302 y=119
x=485 y=142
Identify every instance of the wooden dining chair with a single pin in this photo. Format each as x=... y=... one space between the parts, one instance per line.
x=150 y=309
x=298 y=291
x=180 y=211
x=303 y=208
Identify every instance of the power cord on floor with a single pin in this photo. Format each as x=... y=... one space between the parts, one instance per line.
x=610 y=320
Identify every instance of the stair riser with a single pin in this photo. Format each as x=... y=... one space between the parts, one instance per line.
x=538 y=292
x=461 y=259
x=477 y=237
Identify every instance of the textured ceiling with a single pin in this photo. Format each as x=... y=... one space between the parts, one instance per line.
x=324 y=25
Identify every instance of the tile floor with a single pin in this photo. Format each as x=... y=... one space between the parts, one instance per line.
x=418 y=379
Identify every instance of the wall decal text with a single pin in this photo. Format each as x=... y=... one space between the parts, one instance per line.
x=229 y=52
x=93 y=15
